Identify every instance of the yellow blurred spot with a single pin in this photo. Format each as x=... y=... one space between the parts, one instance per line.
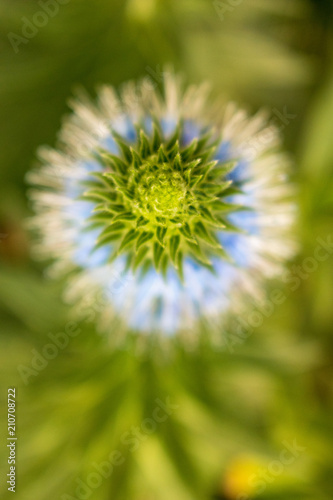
x=141 y=10
x=237 y=482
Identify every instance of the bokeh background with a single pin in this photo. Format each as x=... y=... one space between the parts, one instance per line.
x=252 y=419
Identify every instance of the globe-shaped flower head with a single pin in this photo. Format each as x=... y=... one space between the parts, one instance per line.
x=162 y=210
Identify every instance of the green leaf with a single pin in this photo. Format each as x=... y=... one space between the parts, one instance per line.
x=129 y=260
x=124 y=216
x=144 y=146
x=177 y=220
x=100 y=218
x=174 y=150
x=113 y=256
x=147 y=264
x=161 y=220
x=174 y=245
x=205 y=235
x=206 y=168
x=221 y=206
x=107 y=183
x=92 y=226
x=207 y=215
x=93 y=184
x=116 y=207
x=136 y=160
x=164 y=265
x=157 y=138
x=112 y=228
x=185 y=230
x=118 y=179
x=96 y=195
x=115 y=236
x=198 y=254
x=174 y=138
x=110 y=160
x=180 y=265
x=157 y=254
x=141 y=222
x=222 y=170
x=195 y=180
x=193 y=211
x=232 y=189
x=128 y=193
x=214 y=188
x=160 y=233
x=140 y=256
x=203 y=141
x=162 y=157
x=194 y=165
x=128 y=239
x=125 y=149
x=228 y=226
x=177 y=163
x=190 y=169
x=224 y=186
x=222 y=253
x=101 y=208
x=143 y=238
x=188 y=152
x=208 y=154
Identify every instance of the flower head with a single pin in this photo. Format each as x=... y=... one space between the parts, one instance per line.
x=172 y=210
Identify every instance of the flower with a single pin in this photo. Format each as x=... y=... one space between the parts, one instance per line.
x=166 y=208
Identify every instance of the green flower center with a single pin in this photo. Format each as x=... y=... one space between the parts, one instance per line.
x=159 y=201
x=160 y=192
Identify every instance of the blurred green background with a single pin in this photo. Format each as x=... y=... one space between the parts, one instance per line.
x=251 y=420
